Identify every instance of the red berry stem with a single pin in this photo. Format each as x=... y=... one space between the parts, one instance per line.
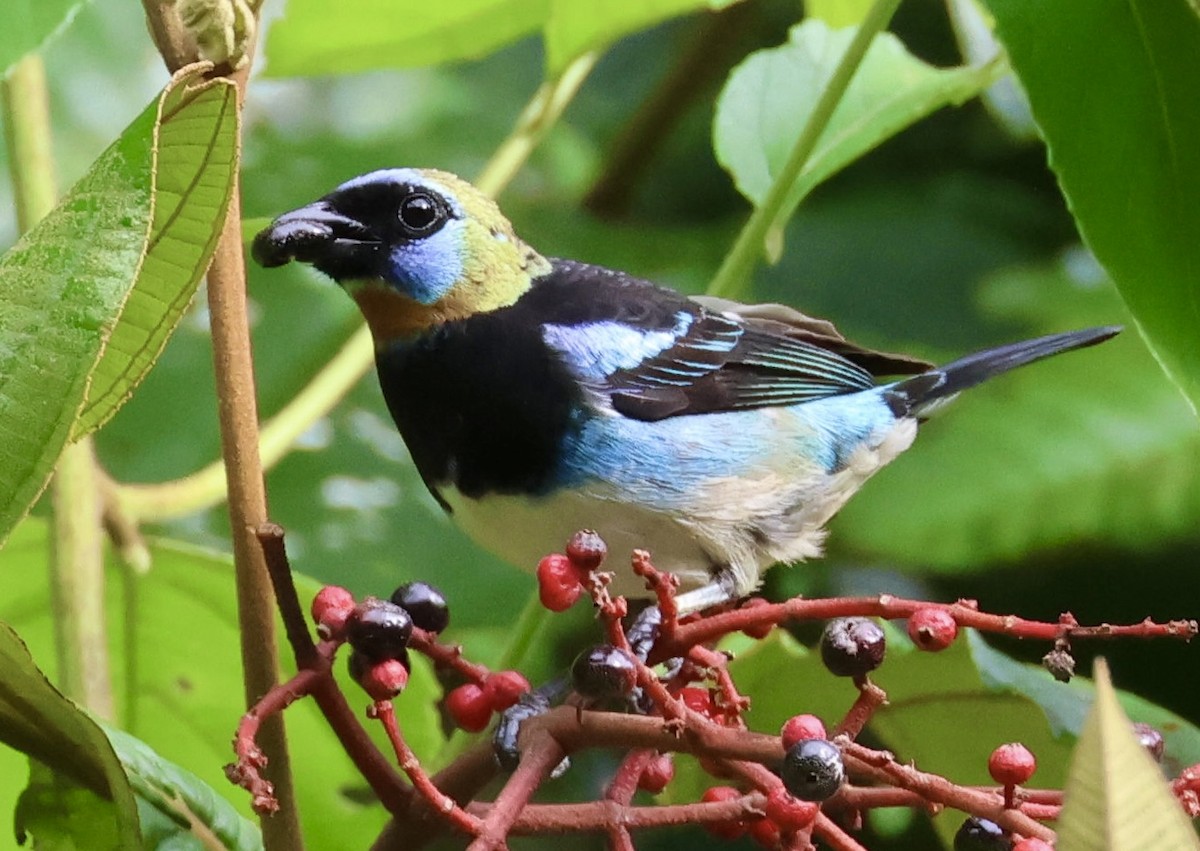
x=440 y=802
x=833 y=836
x=965 y=612
x=870 y=698
x=625 y=782
x=663 y=586
x=541 y=755
x=731 y=703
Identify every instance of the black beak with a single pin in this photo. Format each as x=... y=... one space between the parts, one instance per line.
x=339 y=246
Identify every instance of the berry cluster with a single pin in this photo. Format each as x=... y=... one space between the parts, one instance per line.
x=562 y=577
x=379 y=631
x=666 y=674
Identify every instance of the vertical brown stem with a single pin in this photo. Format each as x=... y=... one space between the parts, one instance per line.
x=237 y=408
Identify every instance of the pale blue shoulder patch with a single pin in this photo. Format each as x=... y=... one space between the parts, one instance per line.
x=596 y=350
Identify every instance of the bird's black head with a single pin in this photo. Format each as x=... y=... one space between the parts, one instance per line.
x=356 y=231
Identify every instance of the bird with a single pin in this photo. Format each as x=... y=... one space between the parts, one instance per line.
x=539 y=396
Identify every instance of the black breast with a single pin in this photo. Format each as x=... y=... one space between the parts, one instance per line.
x=482 y=404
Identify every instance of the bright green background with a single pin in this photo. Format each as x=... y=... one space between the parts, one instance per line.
x=1072 y=485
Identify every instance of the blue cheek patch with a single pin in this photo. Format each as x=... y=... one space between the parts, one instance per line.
x=427 y=269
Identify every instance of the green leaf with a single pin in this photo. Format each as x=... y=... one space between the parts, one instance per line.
x=317 y=37
x=1116 y=798
x=37 y=720
x=1112 y=86
x=64 y=285
x=1093 y=446
x=575 y=28
x=29 y=24
x=177 y=809
x=768 y=99
x=197 y=138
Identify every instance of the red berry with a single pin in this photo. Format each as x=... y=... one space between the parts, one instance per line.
x=801 y=727
x=385 y=679
x=558 y=582
x=1011 y=764
x=732 y=828
x=504 y=688
x=470 y=708
x=697 y=700
x=331 y=609
x=761 y=630
x=1032 y=844
x=765 y=832
x=788 y=812
x=657 y=774
x=586 y=550
x=932 y=629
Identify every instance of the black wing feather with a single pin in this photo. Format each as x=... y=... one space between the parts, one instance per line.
x=722 y=362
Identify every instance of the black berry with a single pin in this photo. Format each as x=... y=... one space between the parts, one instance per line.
x=425 y=604
x=979 y=834
x=379 y=630
x=852 y=647
x=604 y=672
x=812 y=769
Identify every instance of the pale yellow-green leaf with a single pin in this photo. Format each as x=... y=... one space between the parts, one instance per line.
x=1116 y=797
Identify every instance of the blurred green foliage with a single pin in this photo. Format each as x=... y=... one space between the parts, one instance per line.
x=1072 y=485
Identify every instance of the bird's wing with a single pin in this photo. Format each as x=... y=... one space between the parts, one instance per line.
x=657 y=354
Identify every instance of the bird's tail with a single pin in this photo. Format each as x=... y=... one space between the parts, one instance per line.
x=920 y=395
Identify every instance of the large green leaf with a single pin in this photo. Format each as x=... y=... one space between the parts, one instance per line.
x=196 y=145
x=64 y=286
x=1113 y=88
x=575 y=28
x=1092 y=446
x=316 y=37
x=28 y=24
x=186 y=684
x=769 y=97
x=37 y=720
x=1116 y=798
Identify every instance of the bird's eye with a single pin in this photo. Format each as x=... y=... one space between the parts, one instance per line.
x=420 y=214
